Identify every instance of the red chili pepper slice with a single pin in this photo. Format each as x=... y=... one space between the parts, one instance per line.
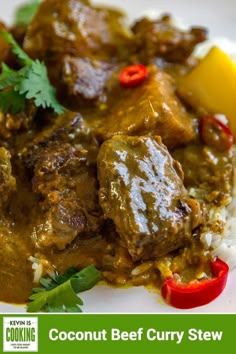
x=133 y=75
x=215 y=133
x=197 y=293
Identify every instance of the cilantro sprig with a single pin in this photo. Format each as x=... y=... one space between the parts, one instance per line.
x=30 y=82
x=59 y=294
x=25 y=13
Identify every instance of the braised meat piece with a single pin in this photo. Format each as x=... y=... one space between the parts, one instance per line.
x=59 y=161
x=69 y=209
x=69 y=127
x=160 y=39
x=83 y=79
x=76 y=28
x=73 y=28
x=149 y=109
x=142 y=191
x=7 y=181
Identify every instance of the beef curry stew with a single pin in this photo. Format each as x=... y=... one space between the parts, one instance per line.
x=122 y=179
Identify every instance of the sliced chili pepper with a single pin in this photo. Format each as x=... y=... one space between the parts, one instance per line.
x=215 y=133
x=198 y=292
x=133 y=75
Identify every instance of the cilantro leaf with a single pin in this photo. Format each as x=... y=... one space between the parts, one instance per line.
x=12 y=78
x=58 y=294
x=25 y=13
x=36 y=85
x=60 y=299
x=29 y=83
x=61 y=278
x=85 y=279
x=22 y=56
x=11 y=101
x=8 y=77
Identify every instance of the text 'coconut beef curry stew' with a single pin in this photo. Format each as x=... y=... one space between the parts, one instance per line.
x=115 y=164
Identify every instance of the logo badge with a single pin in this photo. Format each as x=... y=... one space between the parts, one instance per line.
x=20 y=334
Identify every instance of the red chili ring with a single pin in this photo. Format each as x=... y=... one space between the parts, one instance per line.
x=133 y=75
x=225 y=141
x=196 y=293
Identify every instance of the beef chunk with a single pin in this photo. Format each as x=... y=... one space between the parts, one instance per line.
x=68 y=127
x=142 y=191
x=149 y=109
x=76 y=28
x=160 y=39
x=7 y=181
x=84 y=79
x=59 y=161
x=73 y=28
x=68 y=209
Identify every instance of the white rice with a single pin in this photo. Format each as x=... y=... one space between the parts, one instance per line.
x=37 y=268
x=225 y=247
x=41 y=267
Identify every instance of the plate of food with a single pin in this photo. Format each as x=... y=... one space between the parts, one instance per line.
x=117 y=157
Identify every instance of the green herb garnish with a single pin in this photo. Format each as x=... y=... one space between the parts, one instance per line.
x=25 y=13
x=59 y=294
x=30 y=82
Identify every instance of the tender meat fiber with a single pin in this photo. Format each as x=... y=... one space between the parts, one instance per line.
x=60 y=174
x=84 y=79
x=76 y=28
x=142 y=191
x=7 y=181
x=149 y=109
x=60 y=160
x=160 y=39
x=69 y=127
x=96 y=36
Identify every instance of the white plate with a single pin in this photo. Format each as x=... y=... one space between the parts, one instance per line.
x=220 y=17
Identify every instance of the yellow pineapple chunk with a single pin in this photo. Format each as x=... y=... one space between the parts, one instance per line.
x=211 y=86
